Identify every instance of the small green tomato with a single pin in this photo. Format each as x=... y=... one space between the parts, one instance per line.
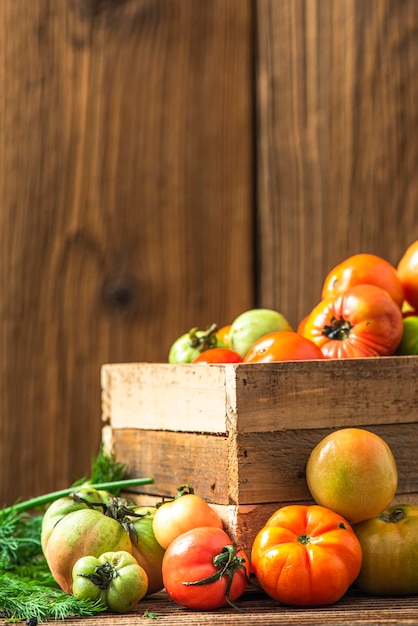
x=114 y=579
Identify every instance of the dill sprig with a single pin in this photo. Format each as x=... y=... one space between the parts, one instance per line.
x=21 y=598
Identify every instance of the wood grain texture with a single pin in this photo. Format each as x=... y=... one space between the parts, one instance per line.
x=247 y=468
x=337 y=144
x=126 y=206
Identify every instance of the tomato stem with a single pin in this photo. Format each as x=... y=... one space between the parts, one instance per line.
x=392 y=517
x=228 y=563
x=206 y=340
x=338 y=329
x=35 y=503
x=102 y=575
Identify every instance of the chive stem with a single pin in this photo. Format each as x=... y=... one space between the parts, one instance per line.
x=35 y=503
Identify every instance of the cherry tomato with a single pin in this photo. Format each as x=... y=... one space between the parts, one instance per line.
x=185 y=512
x=218 y=355
x=364 y=321
x=282 y=346
x=306 y=556
x=203 y=570
x=364 y=269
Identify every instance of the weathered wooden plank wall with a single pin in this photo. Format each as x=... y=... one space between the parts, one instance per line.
x=337 y=144
x=126 y=205
x=168 y=163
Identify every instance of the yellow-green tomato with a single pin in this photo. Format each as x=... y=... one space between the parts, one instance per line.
x=115 y=579
x=409 y=341
x=253 y=324
x=389 y=544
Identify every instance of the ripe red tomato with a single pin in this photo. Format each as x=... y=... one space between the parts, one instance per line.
x=218 y=355
x=364 y=269
x=203 y=570
x=282 y=345
x=185 y=512
x=408 y=274
x=364 y=321
x=306 y=556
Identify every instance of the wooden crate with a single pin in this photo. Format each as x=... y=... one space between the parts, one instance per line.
x=241 y=434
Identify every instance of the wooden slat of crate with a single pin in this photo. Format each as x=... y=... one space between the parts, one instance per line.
x=262 y=397
x=244 y=468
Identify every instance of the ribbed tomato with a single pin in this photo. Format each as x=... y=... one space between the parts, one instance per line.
x=364 y=321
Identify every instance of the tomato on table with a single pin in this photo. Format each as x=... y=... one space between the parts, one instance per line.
x=306 y=555
x=364 y=321
x=203 y=569
x=186 y=511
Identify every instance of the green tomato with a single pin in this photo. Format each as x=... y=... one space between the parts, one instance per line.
x=191 y=344
x=146 y=548
x=409 y=341
x=253 y=324
x=115 y=579
x=389 y=544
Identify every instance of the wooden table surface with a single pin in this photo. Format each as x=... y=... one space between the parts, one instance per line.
x=257 y=608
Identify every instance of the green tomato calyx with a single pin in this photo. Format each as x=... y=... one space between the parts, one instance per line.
x=203 y=340
x=227 y=562
x=394 y=516
x=102 y=575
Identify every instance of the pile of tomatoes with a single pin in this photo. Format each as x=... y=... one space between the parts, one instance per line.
x=368 y=308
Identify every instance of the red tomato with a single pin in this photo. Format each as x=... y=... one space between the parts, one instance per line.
x=306 y=556
x=282 y=345
x=218 y=355
x=203 y=570
x=364 y=269
x=186 y=511
x=364 y=321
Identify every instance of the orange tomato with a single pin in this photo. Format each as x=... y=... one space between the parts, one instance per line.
x=283 y=345
x=218 y=355
x=364 y=321
x=306 y=556
x=408 y=274
x=223 y=334
x=364 y=269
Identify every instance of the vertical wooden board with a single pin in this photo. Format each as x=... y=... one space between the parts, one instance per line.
x=338 y=149
x=126 y=192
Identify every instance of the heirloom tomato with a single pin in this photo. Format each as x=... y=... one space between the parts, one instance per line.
x=408 y=274
x=363 y=321
x=185 y=512
x=390 y=552
x=218 y=355
x=253 y=324
x=114 y=579
x=353 y=472
x=306 y=555
x=283 y=345
x=191 y=344
x=203 y=569
x=145 y=547
x=364 y=269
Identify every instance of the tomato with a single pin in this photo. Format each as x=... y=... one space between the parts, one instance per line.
x=89 y=523
x=223 y=334
x=145 y=547
x=364 y=321
x=218 y=355
x=114 y=579
x=185 y=512
x=306 y=555
x=363 y=269
x=390 y=552
x=409 y=342
x=203 y=570
x=253 y=324
x=408 y=274
x=282 y=345
x=191 y=344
